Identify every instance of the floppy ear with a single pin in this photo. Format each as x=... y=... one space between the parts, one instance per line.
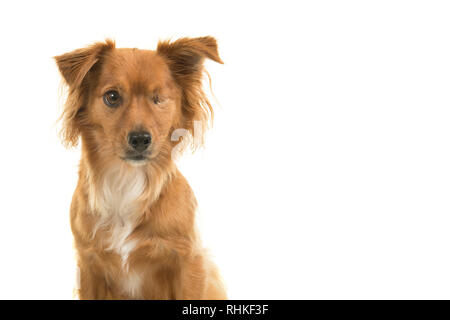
x=185 y=59
x=186 y=55
x=74 y=67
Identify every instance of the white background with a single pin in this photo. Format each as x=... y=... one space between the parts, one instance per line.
x=326 y=175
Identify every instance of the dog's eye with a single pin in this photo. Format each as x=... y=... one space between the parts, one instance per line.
x=112 y=98
x=156 y=100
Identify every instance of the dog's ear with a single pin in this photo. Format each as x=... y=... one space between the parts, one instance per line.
x=186 y=55
x=185 y=59
x=74 y=67
x=76 y=64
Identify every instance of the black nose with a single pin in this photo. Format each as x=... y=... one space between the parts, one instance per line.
x=139 y=140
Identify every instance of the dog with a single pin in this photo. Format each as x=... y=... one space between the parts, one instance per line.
x=133 y=213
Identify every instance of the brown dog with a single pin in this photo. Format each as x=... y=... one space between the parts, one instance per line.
x=132 y=214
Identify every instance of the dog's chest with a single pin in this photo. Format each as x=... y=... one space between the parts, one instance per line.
x=116 y=200
x=131 y=284
x=130 y=279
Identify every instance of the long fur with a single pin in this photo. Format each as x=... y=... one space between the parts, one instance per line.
x=134 y=221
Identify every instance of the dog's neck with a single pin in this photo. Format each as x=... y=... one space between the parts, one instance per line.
x=120 y=193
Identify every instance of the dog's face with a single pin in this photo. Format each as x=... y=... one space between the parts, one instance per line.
x=134 y=105
x=125 y=103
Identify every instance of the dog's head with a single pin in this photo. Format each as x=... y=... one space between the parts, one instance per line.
x=126 y=103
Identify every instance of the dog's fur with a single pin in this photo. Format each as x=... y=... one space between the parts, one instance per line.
x=133 y=221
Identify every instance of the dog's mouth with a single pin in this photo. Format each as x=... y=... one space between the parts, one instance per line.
x=136 y=158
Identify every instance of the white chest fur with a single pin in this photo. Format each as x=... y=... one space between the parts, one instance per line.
x=116 y=200
x=131 y=284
